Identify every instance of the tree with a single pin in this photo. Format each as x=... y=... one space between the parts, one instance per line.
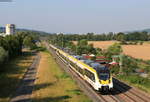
x=115 y=49
x=29 y=42
x=11 y=45
x=82 y=42
x=84 y=48
x=91 y=49
x=115 y=69
x=120 y=36
x=129 y=65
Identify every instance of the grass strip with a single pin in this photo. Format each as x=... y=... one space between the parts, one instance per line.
x=54 y=85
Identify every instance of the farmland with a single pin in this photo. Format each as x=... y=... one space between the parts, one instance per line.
x=137 y=51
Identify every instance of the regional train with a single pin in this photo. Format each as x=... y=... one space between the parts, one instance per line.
x=97 y=75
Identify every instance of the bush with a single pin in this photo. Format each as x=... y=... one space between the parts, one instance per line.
x=3 y=56
x=114 y=49
x=29 y=42
x=114 y=69
x=135 y=42
x=129 y=65
x=123 y=42
x=148 y=62
x=141 y=42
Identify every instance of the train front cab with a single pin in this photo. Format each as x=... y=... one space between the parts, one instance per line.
x=106 y=85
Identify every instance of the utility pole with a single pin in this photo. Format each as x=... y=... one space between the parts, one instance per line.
x=76 y=44
x=62 y=42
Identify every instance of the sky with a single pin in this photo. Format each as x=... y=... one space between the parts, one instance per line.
x=76 y=16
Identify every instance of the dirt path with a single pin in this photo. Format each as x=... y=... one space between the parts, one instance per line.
x=24 y=91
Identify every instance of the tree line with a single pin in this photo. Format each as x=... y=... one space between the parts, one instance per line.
x=132 y=36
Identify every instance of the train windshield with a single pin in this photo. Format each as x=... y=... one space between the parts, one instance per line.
x=104 y=76
x=102 y=71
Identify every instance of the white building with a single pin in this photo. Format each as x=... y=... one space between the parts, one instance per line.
x=10 y=29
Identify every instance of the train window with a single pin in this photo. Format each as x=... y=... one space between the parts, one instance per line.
x=67 y=59
x=72 y=64
x=90 y=75
x=104 y=76
x=80 y=70
x=63 y=57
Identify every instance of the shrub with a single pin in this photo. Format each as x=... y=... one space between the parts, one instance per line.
x=141 y=42
x=3 y=56
x=114 y=69
x=123 y=42
x=129 y=65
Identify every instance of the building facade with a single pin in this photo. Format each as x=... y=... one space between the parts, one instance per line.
x=10 y=29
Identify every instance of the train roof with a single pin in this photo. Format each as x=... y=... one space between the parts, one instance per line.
x=88 y=61
x=63 y=53
x=78 y=57
x=86 y=66
x=98 y=66
x=74 y=59
x=82 y=60
x=95 y=65
x=52 y=46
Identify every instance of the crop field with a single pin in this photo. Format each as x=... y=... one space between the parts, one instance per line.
x=54 y=85
x=137 y=51
x=102 y=44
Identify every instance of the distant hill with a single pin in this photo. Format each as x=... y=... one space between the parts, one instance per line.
x=147 y=30
x=2 y=30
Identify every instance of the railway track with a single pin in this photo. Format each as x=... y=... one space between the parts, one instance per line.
x=133 y=93
x=121 y=93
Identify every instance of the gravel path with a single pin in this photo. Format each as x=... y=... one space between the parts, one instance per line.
x=24 y=91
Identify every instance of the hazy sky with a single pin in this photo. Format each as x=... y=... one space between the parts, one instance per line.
x=77 y=16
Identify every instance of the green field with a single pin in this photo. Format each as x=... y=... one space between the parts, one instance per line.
x=13 y=73
x=54 y=85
